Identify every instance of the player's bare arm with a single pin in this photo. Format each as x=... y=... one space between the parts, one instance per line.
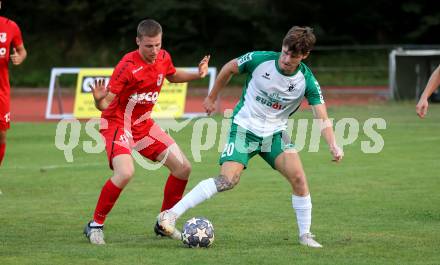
x=433 y=84
x=102 y=96
x=18 y=55
x=181 y=76
x=223 y=78
x=320 y=112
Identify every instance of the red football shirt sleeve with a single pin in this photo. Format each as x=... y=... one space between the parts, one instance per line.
x=171 y=69
x=121 y=77
x=17 y=40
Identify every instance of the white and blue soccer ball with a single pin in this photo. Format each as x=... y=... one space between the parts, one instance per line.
x=198 y=232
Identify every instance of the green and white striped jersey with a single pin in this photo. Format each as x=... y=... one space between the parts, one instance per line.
x=269 y=97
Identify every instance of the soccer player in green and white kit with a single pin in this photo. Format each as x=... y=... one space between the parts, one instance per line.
x=276 y=84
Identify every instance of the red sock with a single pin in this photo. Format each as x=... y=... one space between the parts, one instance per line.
x=2 y=152
x=173 y=192
x=108 y=197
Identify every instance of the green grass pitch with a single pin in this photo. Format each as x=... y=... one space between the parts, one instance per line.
x=370 y=209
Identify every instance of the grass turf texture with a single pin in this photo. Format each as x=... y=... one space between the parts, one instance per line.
x=370 y=209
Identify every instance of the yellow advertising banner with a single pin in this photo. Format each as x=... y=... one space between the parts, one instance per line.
x=171 y=102
x=84 y=106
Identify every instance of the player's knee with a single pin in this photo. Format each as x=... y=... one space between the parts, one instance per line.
x=298 y=179
x=186 y=170
x=183 y=171
x=2 y=137
x=126 y=173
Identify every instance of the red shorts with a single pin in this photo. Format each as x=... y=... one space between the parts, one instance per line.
x=5 y=117
x=149 y=144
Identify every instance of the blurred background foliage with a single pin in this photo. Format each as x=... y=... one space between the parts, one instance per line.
x=62 y=33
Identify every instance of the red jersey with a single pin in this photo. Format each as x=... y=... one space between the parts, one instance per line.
x=9 y=34
x=137 y=85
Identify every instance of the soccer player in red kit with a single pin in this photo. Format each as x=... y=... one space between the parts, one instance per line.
x=10 y=35
x=126 y=103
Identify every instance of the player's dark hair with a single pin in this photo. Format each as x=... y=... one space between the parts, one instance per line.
x=149 y=28
x=299 y=40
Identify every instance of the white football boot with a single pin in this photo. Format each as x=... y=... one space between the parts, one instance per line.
x=167 y=224
x=95 y=234
x=307 y=239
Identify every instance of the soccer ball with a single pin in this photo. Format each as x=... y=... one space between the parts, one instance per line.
x=198 y=232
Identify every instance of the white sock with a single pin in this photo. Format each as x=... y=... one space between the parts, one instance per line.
x=95 y=224
x=203 y=191
x=303 y=210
